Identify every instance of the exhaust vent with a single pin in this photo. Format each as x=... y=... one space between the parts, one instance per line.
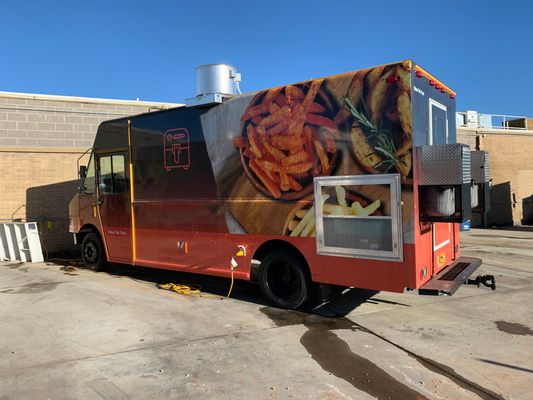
x=214 y=84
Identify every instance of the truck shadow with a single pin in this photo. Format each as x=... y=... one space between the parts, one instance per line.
x=326 y=300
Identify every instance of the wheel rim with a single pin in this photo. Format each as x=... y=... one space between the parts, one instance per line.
x=283 y=280
x=90 y=253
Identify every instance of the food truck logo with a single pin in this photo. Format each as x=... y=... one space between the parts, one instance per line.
x=176 y=148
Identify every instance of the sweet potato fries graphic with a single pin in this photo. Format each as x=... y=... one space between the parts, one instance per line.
x=288 y=137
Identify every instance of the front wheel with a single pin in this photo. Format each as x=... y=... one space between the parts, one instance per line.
x=284 y=279
x=92 y=251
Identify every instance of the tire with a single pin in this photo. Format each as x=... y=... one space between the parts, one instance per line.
x=92 y=252
x=284 y=279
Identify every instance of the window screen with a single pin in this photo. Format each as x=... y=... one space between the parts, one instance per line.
x=359 y=216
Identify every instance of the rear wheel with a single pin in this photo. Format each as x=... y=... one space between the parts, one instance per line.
x=284 y=279
x=92 y=251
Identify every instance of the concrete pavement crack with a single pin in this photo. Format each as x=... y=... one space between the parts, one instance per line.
x=438 y=368
x=156 y=345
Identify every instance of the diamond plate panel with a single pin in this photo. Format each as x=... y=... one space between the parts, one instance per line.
x=443 y=164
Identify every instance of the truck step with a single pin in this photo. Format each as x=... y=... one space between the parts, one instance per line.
x=447 y=281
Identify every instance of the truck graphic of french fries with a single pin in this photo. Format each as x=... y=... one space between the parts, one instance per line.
x=288 y=136
x=177 y=149
x=303 y=223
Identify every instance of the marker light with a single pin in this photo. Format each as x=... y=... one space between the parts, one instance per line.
x=452 y=96
x=432 y=82
x=419 y=74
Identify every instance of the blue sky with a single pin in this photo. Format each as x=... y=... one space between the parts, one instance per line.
x=148 y=49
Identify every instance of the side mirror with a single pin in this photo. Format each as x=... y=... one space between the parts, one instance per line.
x=82 y=172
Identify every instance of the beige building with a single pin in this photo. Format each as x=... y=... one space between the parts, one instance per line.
x=42 y=139
x=509 y=141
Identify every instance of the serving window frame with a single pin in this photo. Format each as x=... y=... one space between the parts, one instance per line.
x=394 y=183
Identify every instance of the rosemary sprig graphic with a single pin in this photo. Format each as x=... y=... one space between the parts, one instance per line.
x=379 y=138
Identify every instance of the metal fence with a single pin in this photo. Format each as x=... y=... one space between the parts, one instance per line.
x=473 y=119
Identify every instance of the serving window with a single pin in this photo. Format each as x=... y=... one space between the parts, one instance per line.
x=359 y=216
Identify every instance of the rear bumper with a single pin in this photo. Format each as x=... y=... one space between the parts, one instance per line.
x=447 y=281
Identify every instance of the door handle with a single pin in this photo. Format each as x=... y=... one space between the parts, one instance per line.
x=100 y=200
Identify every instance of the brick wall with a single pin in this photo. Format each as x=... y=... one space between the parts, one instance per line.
x=58 y=121
x=512 y=175
x=37 y=186
x=511 y=170
x=468 y=137
x=41 y=138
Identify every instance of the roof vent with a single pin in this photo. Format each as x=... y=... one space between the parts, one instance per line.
x=214 y=84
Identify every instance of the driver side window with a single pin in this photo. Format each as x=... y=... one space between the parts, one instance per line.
x=112 y=174
x=89 y=182
x=105 y=176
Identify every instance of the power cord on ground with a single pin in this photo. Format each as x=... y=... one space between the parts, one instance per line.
x=194 y=290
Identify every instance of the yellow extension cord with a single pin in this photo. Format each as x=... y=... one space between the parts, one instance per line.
x=193 y=290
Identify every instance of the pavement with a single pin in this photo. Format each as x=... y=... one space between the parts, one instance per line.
x=70 y=333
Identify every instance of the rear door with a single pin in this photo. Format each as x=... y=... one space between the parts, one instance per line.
x=114 y=205
x=442 y=231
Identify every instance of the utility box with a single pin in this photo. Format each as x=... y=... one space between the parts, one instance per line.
x=472 y=119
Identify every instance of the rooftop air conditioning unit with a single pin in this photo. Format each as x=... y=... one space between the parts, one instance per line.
x=472 y=119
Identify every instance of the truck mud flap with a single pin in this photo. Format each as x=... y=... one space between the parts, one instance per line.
x=447 y=281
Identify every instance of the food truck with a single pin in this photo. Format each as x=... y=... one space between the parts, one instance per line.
x=353 y=179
